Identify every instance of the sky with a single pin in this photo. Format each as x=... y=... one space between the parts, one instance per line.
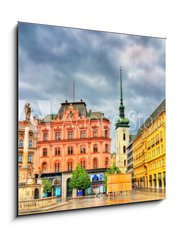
x=52 y=58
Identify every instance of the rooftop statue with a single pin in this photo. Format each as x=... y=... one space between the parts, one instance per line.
x=27 y=112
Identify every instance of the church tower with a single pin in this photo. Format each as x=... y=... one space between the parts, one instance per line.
x=122 y=134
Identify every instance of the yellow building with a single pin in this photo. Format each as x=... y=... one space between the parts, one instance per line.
x=149 y=151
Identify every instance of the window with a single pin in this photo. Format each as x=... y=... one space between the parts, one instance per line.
x=44 y=151
x=95 y=148
x=83 y=134
x=57 y=151
x=70 y=135
x=83 y=164
x=82 y=149
x=95 y=163
x=106 y=148
x=57 y=167
x=57 y=135
x=21 y=143
x=161 y=136
x=124 y=162
x=106 y=163
x=30 y=144
x=20 y=158
x=69 y=165
x=124 y=149
x=70 y=150
x=124 y=136
x=106 y=133
x=44 y=167
x=29 y=158
x=95 y=133
x=45 y=136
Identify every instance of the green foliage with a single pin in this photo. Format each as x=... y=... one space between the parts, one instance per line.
x=113 y=169
x=80 y=179
x=47 y=186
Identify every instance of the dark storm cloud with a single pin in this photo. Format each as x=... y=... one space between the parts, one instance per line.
x=52 y=58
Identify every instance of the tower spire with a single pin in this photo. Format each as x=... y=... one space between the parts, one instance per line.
x=121 y=98
x=121 y=107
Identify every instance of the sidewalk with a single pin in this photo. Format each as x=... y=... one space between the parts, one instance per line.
x=45 y=209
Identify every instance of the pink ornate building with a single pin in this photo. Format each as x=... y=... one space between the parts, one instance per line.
x=74 y=135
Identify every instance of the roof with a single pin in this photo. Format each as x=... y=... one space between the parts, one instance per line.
x=49 y=117
x=80 y=106
x=160 y=109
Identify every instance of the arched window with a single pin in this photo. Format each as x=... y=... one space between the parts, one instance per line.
x=44 y=167
x=30 y=143
x=124 y=149
x=95 y=148
x=83 y=163
x=95 y=163
x=82 y=149
x=123 y=136
x=29 y=158
x=69 y=166
x=57 y=151
x=21 y=143
x=95 y=178
x=57 y=167
x=106 y=148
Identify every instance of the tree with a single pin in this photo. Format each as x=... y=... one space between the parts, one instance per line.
x=113 y=169
x=79 y=180
x=47 y=186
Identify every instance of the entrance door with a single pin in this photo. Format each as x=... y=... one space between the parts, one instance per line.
x=57 y=191
x=69 y=194
x=36 y=194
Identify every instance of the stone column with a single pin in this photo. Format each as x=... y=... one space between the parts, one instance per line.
x=23 y=171
x=25 y=148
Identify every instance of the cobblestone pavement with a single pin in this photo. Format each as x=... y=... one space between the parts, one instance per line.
x=129 y=197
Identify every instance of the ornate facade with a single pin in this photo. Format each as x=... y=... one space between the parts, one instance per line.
x=73 y=136
x=149 y=150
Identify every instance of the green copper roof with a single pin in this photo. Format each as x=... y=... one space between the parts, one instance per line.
x=122 y=122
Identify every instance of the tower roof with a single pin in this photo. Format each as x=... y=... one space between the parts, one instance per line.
x=122 y=121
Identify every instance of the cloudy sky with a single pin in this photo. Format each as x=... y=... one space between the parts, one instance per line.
x=52 y=58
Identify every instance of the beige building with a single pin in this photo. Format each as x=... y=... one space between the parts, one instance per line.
x=122 y=135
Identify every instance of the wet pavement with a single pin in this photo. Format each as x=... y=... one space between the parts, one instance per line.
x=139 y=195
